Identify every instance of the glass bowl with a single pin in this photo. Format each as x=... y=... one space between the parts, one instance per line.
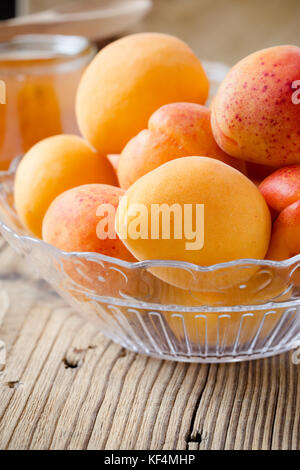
x=254 y=318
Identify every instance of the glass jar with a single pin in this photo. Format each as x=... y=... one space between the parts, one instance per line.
x=41 y=74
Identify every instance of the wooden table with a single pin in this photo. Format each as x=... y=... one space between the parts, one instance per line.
x=67 y=386
x=64 y=385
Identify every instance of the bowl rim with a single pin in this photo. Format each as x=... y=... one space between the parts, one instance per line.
x=151 y=263
x=133 y=303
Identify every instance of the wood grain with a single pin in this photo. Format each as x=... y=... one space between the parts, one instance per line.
x=65 y=386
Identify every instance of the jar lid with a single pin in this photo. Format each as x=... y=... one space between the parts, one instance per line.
x=31 y=50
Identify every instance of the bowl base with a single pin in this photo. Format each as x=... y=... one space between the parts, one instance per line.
x=211 y=359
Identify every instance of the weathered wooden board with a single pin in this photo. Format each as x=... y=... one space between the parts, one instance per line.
x=65 y=386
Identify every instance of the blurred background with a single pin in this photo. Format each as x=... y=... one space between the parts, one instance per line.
x=41 y=73
x=219 y=30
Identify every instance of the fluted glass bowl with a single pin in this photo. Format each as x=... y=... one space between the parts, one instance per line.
x=254 y=318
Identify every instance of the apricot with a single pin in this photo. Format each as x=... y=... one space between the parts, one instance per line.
x=174 y=130
x=254 y=115
x=50 y=167
x=282 y=187
x=128 y=80
x=236 y=225
x=285 y=240
x=72 y=223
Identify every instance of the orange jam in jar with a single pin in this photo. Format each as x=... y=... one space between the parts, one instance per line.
x=39 y=75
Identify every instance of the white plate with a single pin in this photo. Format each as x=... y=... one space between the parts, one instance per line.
x=92 y=19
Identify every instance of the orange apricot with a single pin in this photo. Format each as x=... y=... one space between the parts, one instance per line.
x=282 y=187
x=51 y=167
x=72 y=223
x=174 y=130
x=285 y=240
x=128 y=80
x=255 y=116
x=236 y=222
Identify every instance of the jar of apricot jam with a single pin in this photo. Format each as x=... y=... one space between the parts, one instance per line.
x=41 y=74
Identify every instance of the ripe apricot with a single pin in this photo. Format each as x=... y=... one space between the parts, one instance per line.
x=282 y=187
x=236 y=224
x=255 y=115
x=71 y=224
x=285 y=240
x=128 y=80
x=71 y=221
x=174 y=130
x=50 y=167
